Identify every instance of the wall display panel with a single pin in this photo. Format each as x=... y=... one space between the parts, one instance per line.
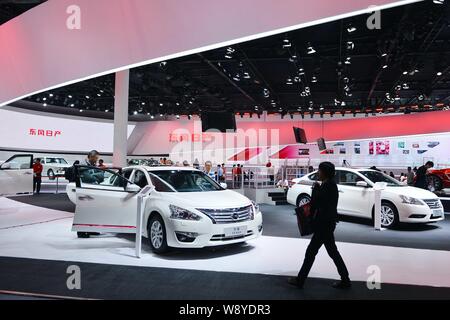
x=45 y=132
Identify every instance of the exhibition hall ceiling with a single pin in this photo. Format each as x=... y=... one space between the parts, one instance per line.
x=336 y=67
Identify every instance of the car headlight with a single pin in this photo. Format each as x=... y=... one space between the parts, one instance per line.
x=411 y=200
x=255 y=208
x=182 y=214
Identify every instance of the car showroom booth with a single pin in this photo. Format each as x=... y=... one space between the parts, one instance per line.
x=211 y=119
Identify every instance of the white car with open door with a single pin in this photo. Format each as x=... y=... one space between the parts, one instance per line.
x=16 y=175
x=186 y=209
x=400 y=203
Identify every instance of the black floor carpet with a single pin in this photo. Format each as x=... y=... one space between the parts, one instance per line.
x=99 y=281
x=53 y=201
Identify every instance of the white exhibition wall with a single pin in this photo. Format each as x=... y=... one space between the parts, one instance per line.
x=384 y=141
x=27 y=130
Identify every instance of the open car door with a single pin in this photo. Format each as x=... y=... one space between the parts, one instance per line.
x=16 y=175
x=105 y=201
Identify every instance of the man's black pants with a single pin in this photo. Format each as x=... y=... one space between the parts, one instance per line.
x=323 y=236
x=37 y=184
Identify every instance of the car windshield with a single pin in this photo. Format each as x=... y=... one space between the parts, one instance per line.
x=187 y=181
x=376 y=176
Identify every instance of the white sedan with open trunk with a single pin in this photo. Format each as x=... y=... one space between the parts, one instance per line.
x=186 y=208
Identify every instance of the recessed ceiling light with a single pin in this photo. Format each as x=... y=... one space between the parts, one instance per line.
x=87 y=97
x=439 y=73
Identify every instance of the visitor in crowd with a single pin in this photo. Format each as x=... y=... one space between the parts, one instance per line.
x=219 y=176
x=208 y=170
x=409 y=177
x=92 y=176
x=324 y=200
x=224 y=170
x=310 y=169
x=37 y=175
x=270 y=172
x=238 y=173
x=196 y=164
x=283 y=184
x=421 y=175
x=374 y=168
x=101 y=164
x=403 y=178
x=185 y=163
x=92 y=158
x=391 y=174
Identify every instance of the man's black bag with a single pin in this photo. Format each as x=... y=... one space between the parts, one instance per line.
x=305 y=218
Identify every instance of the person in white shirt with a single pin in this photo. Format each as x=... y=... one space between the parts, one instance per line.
x=209 y=171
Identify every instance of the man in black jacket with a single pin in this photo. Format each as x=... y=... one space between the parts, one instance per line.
x=421 y=175
x=324 y=200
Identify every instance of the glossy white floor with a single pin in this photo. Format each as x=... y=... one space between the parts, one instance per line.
x=32 y=232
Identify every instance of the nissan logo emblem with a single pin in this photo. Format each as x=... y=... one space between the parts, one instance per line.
x=235 y=216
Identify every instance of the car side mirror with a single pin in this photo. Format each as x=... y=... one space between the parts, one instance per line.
x=132 y=188
x=362 y=184
x=224 y=185
x=6 y=165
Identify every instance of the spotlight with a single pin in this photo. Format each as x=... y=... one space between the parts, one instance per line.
x=310 y=49
x=135 y=112
x=439 y=73
x=178 y=116
x=286 y=43
x=87 y=97
x=50 y=95
x=350 y=45
x=289 y=81
x=351 y=28
x=405 y=73
x=314 y=79
x=385 y=66
x=44 y=104
x=69 y=96
x=438 y=1
x=72 y=105
x=348 y=60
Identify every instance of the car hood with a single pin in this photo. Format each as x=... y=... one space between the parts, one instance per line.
x=210 y=199
x=412 y=192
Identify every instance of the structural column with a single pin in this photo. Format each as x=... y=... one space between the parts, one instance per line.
x=121 y=118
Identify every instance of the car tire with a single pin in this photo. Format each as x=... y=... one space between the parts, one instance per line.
x=157 y=235
x=302 y=199
x=83 y=235
x=389 y=215
x=51 y=174
x=434 y=183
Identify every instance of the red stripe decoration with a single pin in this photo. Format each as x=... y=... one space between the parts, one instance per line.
x=103 y=226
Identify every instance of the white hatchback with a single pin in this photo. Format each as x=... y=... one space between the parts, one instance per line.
x=186 y=209
x=400 y=203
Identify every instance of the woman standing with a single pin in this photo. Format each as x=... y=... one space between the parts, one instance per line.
x=324 y=200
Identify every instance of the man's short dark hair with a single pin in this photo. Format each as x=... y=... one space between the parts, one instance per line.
x=430 y=163
x=93 y=153
x=328 y=169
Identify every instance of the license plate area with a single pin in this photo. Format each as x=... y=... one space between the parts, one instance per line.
x=437 y=214
x=235 y=232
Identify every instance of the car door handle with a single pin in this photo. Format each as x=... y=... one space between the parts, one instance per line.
x=83 y=198
x=340 y=191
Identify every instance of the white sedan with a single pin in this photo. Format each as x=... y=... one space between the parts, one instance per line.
x=186 y=208
x=400 y=203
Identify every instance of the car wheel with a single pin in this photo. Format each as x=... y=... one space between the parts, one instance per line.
x=434 y=183
x=303 y=199
x=389 y=215
x=83 y=235
x=157 y=235
x=51 y=174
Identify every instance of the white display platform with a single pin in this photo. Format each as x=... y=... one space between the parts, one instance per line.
x=49 y=237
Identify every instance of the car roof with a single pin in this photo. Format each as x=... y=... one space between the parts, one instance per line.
x=353 y=169
x=162 y=168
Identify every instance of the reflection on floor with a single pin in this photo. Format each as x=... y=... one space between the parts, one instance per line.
x=47 y=236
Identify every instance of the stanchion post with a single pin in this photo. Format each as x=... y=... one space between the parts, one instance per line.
x=141 y=199
x=378 y=187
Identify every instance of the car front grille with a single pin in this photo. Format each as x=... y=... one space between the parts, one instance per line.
x=231 y=215
x=433 y=203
